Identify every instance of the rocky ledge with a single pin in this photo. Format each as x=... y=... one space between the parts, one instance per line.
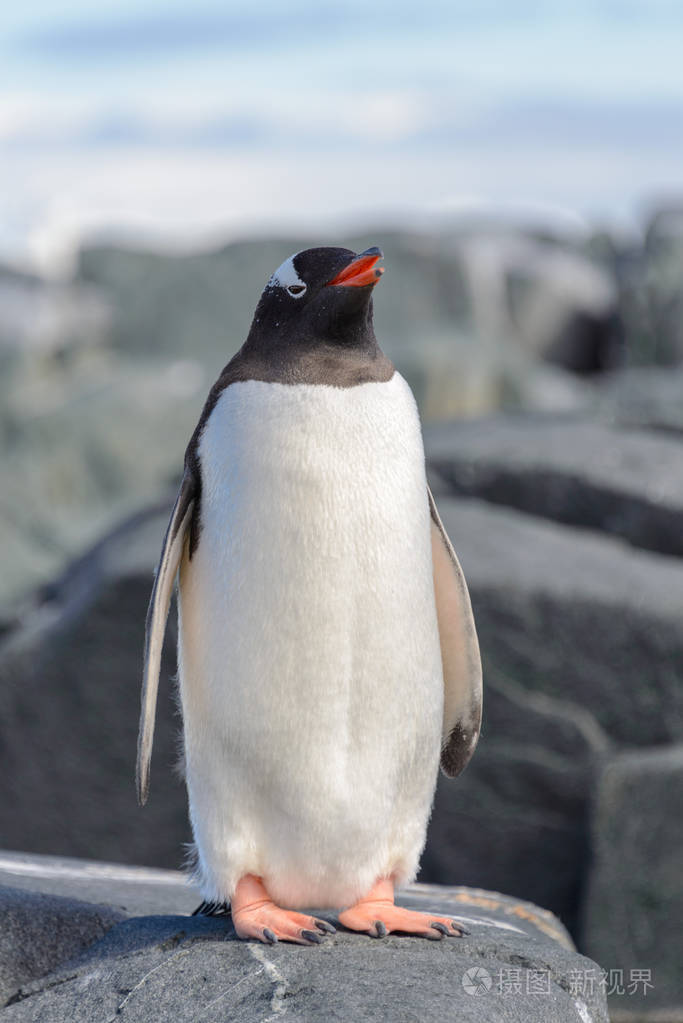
x=85 y=941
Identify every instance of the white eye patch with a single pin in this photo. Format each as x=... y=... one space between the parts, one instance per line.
x=286 y=277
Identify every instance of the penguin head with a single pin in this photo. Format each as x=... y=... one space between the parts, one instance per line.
x=321 y=295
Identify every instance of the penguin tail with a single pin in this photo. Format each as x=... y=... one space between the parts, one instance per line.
x=213 y=909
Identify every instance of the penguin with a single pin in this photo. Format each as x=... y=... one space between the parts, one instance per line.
x=328 y=660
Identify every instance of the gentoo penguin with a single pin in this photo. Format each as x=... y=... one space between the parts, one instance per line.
x=327 y=654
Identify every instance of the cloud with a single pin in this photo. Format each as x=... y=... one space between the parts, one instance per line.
x=172 y=33
x=381 y=120
x=572 y=124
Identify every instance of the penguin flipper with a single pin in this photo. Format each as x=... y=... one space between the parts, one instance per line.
x=157 y=613
x=459 y=652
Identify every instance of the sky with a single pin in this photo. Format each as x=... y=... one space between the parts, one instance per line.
x=187 y=125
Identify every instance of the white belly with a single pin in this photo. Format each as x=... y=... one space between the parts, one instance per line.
x=309 y=656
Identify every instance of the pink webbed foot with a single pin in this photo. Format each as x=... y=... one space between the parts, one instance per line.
x=376 y=915
x=255 y=916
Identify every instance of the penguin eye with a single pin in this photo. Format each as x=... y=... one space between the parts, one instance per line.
x=296 y=290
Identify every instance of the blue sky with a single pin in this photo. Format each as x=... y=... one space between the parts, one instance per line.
x=189 y=124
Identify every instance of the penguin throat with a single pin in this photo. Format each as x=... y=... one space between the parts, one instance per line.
x=324 y=326
x=337 y=350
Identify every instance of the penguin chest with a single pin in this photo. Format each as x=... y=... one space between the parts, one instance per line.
x=307 y=612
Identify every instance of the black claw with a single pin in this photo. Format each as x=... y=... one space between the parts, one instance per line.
x=323 y=925
x=269 y=936
x=381 y=929
x=438 y=926
x=459 y=927
x=312 y=936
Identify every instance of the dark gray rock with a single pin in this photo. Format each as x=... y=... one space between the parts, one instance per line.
x=659 y=284
x=69 y=708
x=189 y=968
x=645 y=1015
x=577 y=616
x=41 y=931
x=634 y=902
x=521 y=718
x=629 y=483
x=649 y=277
x=517 y=820
x=644 y=397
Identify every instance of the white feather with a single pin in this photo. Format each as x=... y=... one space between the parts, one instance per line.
x=309 y=657
x=286 y=275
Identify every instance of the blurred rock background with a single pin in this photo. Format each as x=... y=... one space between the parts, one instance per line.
x=549 y=375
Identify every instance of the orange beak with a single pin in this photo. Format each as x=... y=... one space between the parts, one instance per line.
x=360 y=271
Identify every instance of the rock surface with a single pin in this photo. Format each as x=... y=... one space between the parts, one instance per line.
x=634 y=902
x=69 y=707
x=644 y=398
x=85 y=442
x=40 y=931
x=575 y=615
x=517 y=820
x=625 y=482
x=48 y=316
x=659 y=283
x=521 y=963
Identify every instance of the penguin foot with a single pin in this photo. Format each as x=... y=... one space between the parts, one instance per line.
x=255 y=916
x=377 y=916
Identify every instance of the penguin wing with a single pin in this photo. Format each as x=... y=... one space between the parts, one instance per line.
x=459 y=653
x=157 y=613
